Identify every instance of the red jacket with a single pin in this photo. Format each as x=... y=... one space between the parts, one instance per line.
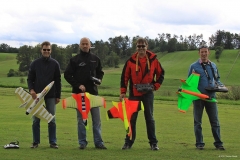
x=140 y=73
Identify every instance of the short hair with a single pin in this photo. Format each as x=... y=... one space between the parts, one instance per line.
x=202 y=46
x=45 y=43
x=141 y=40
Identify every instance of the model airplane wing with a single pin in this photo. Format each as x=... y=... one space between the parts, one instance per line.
x=83 y=102
x=185 y=101
x=189 y=92
x=38 y=109
x=124 y=111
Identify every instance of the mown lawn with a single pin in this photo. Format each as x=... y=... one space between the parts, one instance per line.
x=174 y=131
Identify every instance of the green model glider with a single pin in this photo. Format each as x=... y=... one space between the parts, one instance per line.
x=189 y=92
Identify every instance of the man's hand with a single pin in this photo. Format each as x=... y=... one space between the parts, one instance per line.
x=33 y=94
x=123 y=95
x=57 y=100
x=82 y=87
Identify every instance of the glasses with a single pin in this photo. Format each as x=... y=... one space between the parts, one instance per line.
x=141 y=46
x=46 y=49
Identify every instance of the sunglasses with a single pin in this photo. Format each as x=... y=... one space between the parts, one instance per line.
x=141 y=46
x=46 y=49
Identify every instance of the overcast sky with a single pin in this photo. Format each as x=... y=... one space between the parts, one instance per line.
x=63 y=22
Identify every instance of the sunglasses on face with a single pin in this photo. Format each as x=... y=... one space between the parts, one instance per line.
x=46 y=49
x=141 y=46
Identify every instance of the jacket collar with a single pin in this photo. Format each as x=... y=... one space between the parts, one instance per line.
x=45 y=58
x=84 y=53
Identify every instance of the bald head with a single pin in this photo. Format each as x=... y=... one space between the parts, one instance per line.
x=85 y=44
x=84 y=39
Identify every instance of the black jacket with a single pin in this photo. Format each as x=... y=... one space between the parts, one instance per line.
x=80 y=69
x=43 y=71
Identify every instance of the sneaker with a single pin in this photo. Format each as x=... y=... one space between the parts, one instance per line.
x=220 y=148
x=126 y=146
x=34 y=145
x=54 y=145
x=200 y=147
x=154 y=147
x=82 y=146
x=101 y=147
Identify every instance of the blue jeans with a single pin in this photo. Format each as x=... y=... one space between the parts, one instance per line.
x=51 y=108
x=212 y=112
x=96 y=127
x=147 y=100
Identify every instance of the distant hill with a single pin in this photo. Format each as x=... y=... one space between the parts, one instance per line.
x=175 y=64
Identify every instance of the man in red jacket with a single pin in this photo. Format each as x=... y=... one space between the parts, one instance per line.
x=144 y=74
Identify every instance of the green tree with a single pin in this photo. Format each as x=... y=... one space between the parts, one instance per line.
x=4 y=47
x=218 y=51
x=24 y=57
x=172 y=44
x=162 y=44
x=113 y=60
x=11 y=73
x=101 y=49
x=75 y=48
x=66 y=54
x=228 y=40
x=219 y=38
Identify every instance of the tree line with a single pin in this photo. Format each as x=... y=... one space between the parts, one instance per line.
x=119 y=48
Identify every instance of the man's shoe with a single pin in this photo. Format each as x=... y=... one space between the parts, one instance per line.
x=154 y=147
x=82 y=146
x=34 y=145
x=126 y=146
x=200 y=147
x=101 y=147
x=220 y=148
x=54 y=145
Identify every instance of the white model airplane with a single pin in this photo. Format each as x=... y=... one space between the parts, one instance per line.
x=35 y=106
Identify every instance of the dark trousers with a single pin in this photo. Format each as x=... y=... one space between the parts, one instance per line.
x=147 y=100
x=212 y=112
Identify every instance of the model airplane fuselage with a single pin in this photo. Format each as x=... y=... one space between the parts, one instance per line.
x=35 y=106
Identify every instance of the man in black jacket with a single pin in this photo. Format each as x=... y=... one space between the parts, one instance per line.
x=43 y=71
x=79 y=73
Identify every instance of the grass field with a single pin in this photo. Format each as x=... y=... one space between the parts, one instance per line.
x=174 y=129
